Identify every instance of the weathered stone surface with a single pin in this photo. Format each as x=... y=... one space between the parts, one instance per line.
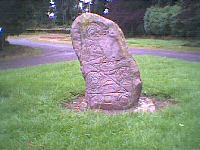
x=110 y=72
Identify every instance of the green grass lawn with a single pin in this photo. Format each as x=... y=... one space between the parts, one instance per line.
x=32 y=117
x=173 y=44
x=17 y=51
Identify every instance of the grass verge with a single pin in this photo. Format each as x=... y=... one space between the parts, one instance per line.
x=17 y=51
x=173 y=44
x=31 y=116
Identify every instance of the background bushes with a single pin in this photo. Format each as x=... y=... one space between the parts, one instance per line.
x=157 y=20
x=173 y=20
x=187 y=22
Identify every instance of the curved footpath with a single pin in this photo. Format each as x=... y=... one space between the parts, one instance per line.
x=64 y=52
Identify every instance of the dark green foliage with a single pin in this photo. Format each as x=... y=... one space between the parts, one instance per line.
x=2 y=40
x=129 y=15
x=13 y=16
x=165 y=17
x=16 y=15
x=162 y=17
x=187 y=22
x=190 y=44
x=40 y=17
x=157 y=20
x=177 y=20
x=98 y=6
x=67 y=10
x=163 y=3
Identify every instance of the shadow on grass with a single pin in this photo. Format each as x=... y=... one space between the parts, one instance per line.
x=17 y=51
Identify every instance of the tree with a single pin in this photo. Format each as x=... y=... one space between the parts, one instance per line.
x=39 y=11
x=129 y=15
x=16 y=15
x=182 y=19
x=157 y=20
x=67 y=10
x=2 y=38
x=99 y=6
x=187 y=22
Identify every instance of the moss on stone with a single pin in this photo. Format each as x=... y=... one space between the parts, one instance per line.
x=86 y=20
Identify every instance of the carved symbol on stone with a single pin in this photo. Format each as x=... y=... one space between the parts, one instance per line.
x=95 y=31
x=124 y=99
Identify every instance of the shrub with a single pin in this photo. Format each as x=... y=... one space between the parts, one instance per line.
x=157 y=20
x=187 y=22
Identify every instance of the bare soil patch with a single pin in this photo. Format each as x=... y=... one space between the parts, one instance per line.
x=55 y=39
x=145 y=104
x=47 y=37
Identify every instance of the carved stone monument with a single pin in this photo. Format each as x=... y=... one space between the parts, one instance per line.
x=111 y=75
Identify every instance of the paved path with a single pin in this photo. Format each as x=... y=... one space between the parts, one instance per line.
x=64 y=52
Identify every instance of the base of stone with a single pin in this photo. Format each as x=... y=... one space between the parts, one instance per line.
x=145 y=104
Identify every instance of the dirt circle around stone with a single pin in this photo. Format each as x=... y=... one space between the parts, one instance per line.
x=145 y=104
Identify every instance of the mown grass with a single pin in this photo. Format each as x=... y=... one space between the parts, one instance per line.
x=32 y=117
x=173 y=44
x=17 y=51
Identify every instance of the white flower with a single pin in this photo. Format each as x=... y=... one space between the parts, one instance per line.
x=181 y=125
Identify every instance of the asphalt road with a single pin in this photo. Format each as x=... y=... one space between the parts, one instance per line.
x=64 y=52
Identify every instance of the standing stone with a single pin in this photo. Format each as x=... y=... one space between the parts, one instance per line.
x=111 y=75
